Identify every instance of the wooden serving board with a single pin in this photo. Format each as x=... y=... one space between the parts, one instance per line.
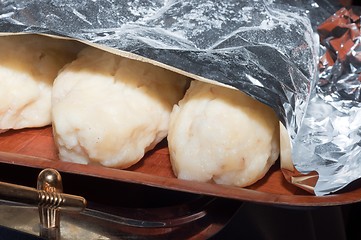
x=35 y=148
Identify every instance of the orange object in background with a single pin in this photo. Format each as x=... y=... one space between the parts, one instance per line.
x=338 y=34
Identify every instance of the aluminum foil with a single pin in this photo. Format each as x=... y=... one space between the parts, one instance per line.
x=265 y=48
x=259 y=47
x=330 y=135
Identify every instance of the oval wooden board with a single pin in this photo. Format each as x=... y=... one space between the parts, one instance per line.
x=35 y=148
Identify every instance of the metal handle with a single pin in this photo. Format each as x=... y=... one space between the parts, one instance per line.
x=49 y=198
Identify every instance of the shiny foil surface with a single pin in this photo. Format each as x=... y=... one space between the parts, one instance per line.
x=330 y=136
x=260 y=47
x=265 y=48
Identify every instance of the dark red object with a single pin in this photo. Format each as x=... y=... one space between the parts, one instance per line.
x=338 y=34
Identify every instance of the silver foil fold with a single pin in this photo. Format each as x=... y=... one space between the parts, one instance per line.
x=330 y=137
x=265 y=48
x=234 y=43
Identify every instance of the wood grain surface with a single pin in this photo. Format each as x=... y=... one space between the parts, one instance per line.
x=36 y=148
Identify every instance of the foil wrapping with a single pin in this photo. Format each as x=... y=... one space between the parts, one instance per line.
x=330 y=135
x=265 y=48
x=259 y=47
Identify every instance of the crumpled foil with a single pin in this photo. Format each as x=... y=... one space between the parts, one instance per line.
x=256 y=46
x=265 y=48
x=330 y=136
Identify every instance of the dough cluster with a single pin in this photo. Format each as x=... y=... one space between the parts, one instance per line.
x=28 y=67
x=222 y=135
x=111 y=110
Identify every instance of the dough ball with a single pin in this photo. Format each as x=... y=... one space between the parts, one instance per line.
x=28 y=67
x=223 y=135
x=110 y=110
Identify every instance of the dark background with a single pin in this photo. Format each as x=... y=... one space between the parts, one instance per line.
x=254 y=221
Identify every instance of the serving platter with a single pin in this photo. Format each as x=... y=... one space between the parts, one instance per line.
x=35 y=148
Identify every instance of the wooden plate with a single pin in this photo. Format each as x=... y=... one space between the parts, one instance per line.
x=35 y=148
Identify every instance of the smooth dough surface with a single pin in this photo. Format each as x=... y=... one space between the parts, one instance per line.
x=110 y=110
x=28 y=67
x=223 y=135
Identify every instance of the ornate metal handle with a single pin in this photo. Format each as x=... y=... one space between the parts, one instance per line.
x=49 y=198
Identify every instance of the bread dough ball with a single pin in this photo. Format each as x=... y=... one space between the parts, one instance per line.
x=110 y=110
x=223 y=135
x=28 y=67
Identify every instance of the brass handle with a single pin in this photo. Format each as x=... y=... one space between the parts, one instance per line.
x=49 y=198
x=32 y=196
